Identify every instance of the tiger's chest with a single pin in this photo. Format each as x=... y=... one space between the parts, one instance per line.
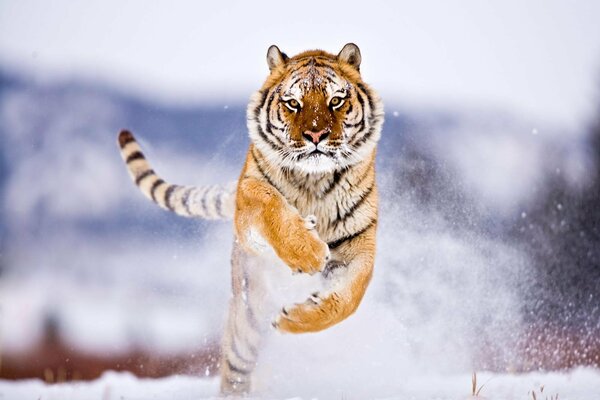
x=330 y=200
x=325 y=210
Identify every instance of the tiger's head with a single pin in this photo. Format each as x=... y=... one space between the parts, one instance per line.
x=314 y=113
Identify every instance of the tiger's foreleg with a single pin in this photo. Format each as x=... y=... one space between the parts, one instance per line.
x=261 y=211
x=246 y=324
x=347 y=277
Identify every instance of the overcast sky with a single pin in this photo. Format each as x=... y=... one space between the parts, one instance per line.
x=539 y=59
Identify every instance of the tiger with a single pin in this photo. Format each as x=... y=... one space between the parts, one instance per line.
x=306 y=197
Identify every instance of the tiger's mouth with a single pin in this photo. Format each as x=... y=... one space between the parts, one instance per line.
x=318 y=152
x=315 y=159
x=306 y=150
x=320 y=157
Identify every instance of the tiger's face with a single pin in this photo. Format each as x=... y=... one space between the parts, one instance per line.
x=314 y=114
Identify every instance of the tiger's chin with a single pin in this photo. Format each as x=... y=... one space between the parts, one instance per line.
x=317 y=164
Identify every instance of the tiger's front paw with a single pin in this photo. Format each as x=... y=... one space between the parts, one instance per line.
x=301 y=248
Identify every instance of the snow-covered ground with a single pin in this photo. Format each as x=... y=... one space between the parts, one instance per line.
x=579 y=384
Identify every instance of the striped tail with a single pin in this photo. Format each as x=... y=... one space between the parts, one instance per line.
x=208 y=202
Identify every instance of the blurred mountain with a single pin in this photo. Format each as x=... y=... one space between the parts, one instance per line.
x=562 y=235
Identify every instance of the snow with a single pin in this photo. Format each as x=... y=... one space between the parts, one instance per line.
x=113 y=385
x=578 y=384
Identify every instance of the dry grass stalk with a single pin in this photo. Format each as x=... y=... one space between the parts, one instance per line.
x=476 y=391
x=534 y=396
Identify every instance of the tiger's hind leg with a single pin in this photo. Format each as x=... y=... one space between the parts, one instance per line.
x=246 y=324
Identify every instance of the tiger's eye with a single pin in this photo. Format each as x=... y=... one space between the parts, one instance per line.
x=336 y=102
x=294 y=103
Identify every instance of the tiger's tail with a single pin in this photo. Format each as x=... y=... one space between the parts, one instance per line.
x=208 y=202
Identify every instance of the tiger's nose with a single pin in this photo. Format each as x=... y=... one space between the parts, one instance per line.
x=316 y=137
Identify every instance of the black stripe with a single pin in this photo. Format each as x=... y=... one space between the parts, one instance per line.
x=269 y=127
x=362 y=122
x=320 y=65
x=360 y=100
x=366 y=136
x=155 y=185
x=269 y=124
x=337 y=176
x=136 y=155
x=336 y=243
x=262 y=172
x=330 y=73
x=219 y=203
x=168 y=194
x=288 y=175
x=367 y=93
x=237 y=369
x=329 y=80
x=314 y=63
x=373 y=121
x=304 y=63
x=294 y=81
x=249 y=314
x=185 y=200
x=236 y=351
x=294 y=179
x=262 y=103
x=143 y=176
x=251 y=348
x=339 y=218
x=349 y=110
x=252 y=318
x=361 y=200
x=280 y=120
x=203 y=201
x=262 y=134
x=268 y=110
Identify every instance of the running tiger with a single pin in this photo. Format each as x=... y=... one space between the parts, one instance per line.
x=307 y=191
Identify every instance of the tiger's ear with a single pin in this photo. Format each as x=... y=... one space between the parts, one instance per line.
x=350 y=54
x=275 y=57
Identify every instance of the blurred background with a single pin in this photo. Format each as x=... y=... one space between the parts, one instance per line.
x=489 y=245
